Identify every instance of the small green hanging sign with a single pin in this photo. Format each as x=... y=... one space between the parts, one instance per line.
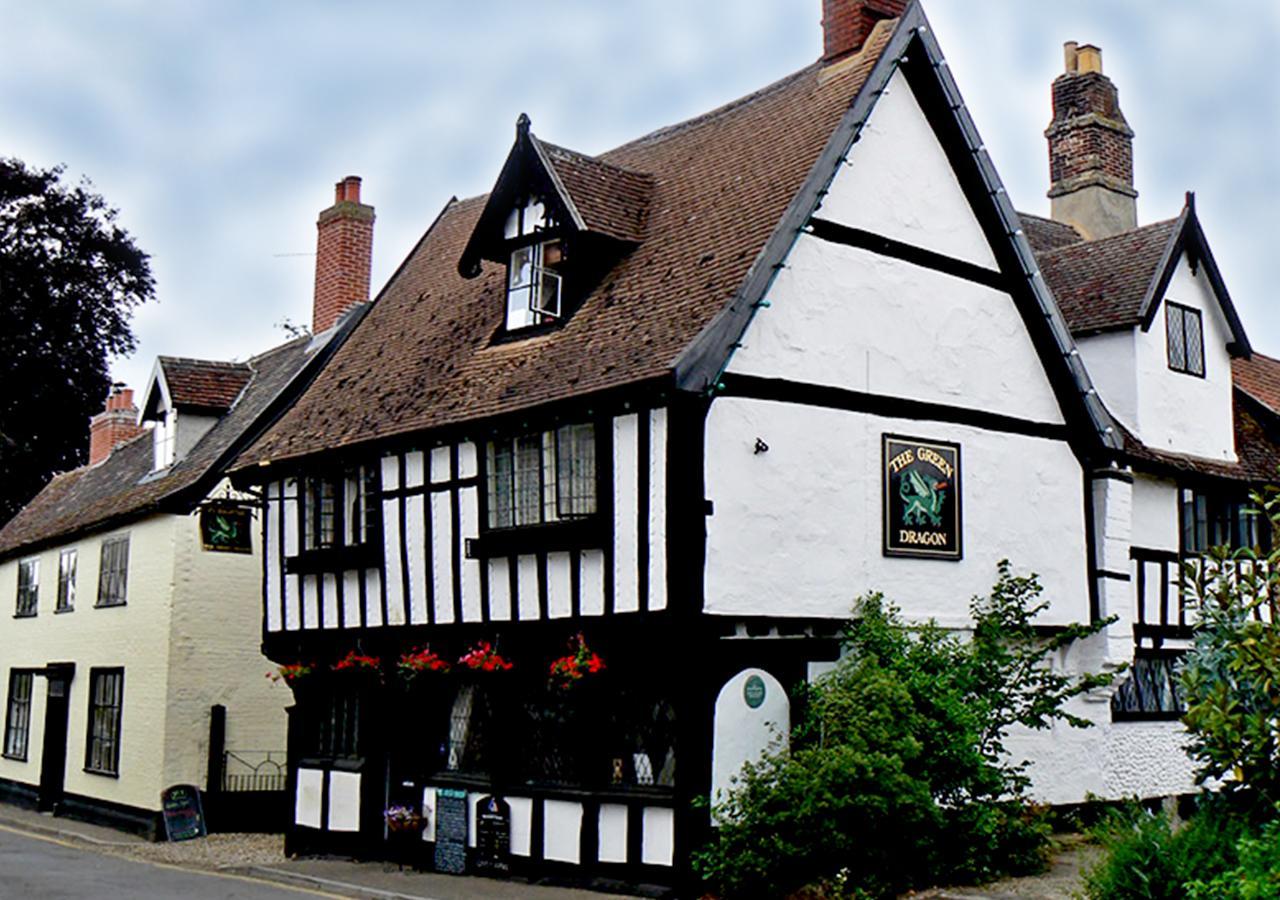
x=226 y=529
x=921 y=498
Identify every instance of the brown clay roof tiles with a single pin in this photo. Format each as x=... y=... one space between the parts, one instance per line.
x=1046 y=234
x=611 y=200
x=203 y=383
x=1259 y=377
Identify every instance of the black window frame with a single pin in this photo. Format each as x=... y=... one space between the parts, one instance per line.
x=103 y=733
x=113 y=572
x=333 y=725
x=549 y=497
x=332 y=515
x=17 y=721
x=66 y=601
x=27 y=600
x=1179 y=344
x=1209 y=518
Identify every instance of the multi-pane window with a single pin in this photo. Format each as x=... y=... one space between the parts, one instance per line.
x=533 y=284
x=341 y=511
x=28 y=587
x=1213 y=520
x=67 y=580
x=17 y=723
x=1150 y=690
x=336 y=732
x=113 y=571
x=1185 y=338
x=544 y=477
x=106 y=699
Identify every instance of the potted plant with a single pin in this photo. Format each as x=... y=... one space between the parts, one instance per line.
x=483 y=658
x=404 y=832
x=581 y=662
x=359 y=664
x=416 y=665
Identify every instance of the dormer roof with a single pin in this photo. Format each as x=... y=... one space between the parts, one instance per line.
x=197 y=385
x=582 y=194
x=1118 y=282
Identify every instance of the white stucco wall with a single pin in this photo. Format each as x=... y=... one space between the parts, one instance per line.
x=1111 y=362
x=1185 y=413
x=797 y=531
x=1155 y=513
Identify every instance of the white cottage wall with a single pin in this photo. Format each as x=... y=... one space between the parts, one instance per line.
x=1156 y=524
x=797 y=531
x=1110 y=359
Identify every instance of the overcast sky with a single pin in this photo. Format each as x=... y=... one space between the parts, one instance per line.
x=219 y=128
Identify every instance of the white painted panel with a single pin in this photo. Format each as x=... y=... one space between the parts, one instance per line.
x=441 y=549
x=562 y=823
x=414 y=468
x=499 y=590
x=310 y=601
x=559 y=586
x=373 y=597
x=329 y=582
x=658 y=510
x=415 y=535
x=467 y=465
x=293 y=583
x=849 y=318
x=521 y=825
x=344 y=801
x=592 y=583
x=429 y=813
x=1155 y=513
x=527 y=586
x=440 y=467
x=391 y=559
x=899 y=183
x=390 y=473
x=626 y=587
x=613 y=833
x=659 y=836
x=769 y=554
x=351 y=598
x=742 y=732
x=469 y=526
x=273 y=552
x=306 y=803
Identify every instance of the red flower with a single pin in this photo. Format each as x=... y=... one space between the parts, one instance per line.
x=355 y=662
x=577 y=664
x=483 y=658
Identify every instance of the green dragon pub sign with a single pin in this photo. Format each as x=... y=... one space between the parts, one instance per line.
x=225 y=528
x=921 y=498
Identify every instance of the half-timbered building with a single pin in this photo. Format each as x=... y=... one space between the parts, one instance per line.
x=670 y=409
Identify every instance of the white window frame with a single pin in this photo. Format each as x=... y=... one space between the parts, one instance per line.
x=542 y=477
x=28 y=597
x=534 y=291
x=68 y=561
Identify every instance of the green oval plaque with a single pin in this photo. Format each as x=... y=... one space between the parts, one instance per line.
x=753 y=691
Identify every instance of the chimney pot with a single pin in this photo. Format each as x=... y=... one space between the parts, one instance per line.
x=1069 y=53
x=117 y=423
x=1089 y=59
x=344 y=255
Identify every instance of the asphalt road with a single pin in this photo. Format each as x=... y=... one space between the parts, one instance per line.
x=40 y=868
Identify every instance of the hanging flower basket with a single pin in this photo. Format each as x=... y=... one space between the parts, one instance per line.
x=403 y=819
x=579 y=664
x=419 y=662
x=293 y=673
x=358 y=664
x=483 y=658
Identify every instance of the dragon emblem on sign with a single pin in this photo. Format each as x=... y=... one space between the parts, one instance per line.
x=922 y=499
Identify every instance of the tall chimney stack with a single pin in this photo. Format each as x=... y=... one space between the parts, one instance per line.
x=344 y=255
x=1090 y=149
x=847 y=23
x=117 y=423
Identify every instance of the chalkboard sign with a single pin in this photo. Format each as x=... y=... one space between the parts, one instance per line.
x=183 y=815
x=493 y=835
x=451 y=831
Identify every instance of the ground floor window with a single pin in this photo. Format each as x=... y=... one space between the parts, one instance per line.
x=17 y=724
x=332 y=724
x=1151 y=689
x=106 y=700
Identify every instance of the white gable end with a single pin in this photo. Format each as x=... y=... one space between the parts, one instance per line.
x=898 y=183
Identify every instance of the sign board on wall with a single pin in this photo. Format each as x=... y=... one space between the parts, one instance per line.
x=226 y=529
x=921 y=498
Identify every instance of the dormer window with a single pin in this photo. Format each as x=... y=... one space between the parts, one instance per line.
x=1185 y=335
x=533 y=284
x=164 y=436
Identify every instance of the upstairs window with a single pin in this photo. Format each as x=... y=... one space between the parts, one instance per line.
x=113 y=571
x=66 y=581
x=1185 y=339
x=164 y=441
x=541 y=478
x=1213 y=520
x=28 y=587
x=340 y=511
x=533 y=284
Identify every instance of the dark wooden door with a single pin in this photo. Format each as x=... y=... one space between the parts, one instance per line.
x=53 y=758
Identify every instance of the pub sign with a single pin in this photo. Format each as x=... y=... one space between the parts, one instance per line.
x=225 y=528
x=921 y=498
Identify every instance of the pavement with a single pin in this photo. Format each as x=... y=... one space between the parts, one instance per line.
x=82 y=861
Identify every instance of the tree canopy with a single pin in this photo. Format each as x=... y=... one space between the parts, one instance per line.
x=70 y=278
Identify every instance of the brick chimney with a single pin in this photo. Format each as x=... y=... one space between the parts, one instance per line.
x=847 y=23
x=344 y=255
x=113 y=426
x=1090 y=149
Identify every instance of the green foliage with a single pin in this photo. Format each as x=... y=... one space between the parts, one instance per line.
x=1256 y=877
x=1147 y=858
x=897 y=774
x=1231 y=677
x=69 y=280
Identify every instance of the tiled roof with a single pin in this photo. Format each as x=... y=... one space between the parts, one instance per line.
x=424 y=356
x=1046 y=234
x=611 y=200
x=203 y=383
x=1257 y=451
x=1259 y=377
x=1100 y=285
x=97 y=496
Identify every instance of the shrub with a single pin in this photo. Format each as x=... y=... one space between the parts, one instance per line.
x=897 y=774
x=1256 y=877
